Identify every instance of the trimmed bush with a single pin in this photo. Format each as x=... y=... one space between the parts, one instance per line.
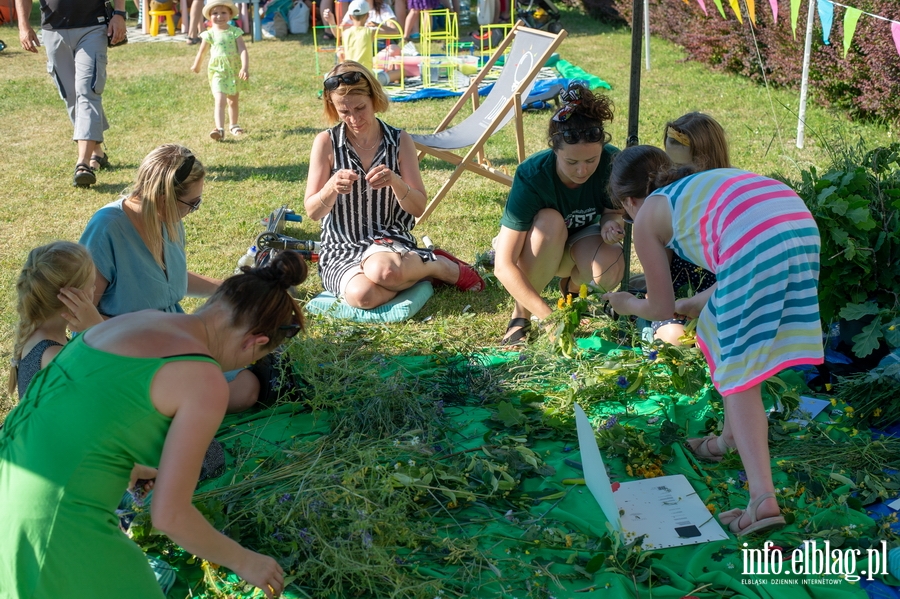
x=866 y=83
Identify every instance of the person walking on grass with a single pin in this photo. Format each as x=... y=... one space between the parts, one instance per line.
x=76 y=35
x=760 y=317
x=228 y=64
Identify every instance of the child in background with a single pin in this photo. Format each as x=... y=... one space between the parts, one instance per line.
x=760 y=317
x=697 y=139
x=56 y=291
x=357 y=40
x=228 y=64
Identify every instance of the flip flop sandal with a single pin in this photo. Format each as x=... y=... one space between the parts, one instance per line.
x=217 y=134
x=236 y=130
x=102 y=161
x=700 y=448
x=468 y=280
x=732 y=518
x=517 y=337
x=84 y=175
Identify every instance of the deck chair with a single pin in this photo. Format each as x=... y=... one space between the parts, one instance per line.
x=530 y=49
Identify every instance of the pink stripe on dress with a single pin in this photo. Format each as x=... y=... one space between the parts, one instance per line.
x=758 y=229
x=712 y=209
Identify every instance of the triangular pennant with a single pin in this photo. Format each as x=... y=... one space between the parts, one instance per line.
x=851 y=18
x=774 y=5
x=703 y=6
x=751 y=8
x=795 y=15
x=895 y=32
x=826 y=16
x=737 y=10
x=721 y=9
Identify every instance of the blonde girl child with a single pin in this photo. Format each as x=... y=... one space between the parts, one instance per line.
x=760 y=317
x=228 y=64
x=55 y=292
x=698 y=139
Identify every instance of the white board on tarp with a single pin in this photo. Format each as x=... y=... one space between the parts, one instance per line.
x=665 y=510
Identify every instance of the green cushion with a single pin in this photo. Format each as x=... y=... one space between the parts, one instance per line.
x=405 y=305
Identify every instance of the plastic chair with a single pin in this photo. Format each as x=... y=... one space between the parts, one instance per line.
x=447 y=36
x=155 y=15
x=338 y=7
x=389 y=37
x=486 y=37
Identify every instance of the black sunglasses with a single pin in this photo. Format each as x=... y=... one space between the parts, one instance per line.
x=573 y=136
x=349 y=78
x=290 y=330
x=192 y=206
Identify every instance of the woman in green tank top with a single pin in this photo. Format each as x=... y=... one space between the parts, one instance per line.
x=141 y=388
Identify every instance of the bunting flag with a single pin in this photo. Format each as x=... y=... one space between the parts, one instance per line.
x=795 y=15
x=851 y=18
x=774 y=5
x=751 y=8
x=826 y=16
x=703 y=6
x=721 y=9
x=895 y=31
x=737 y=10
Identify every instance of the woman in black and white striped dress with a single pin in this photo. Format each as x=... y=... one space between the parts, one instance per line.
x=364 y=185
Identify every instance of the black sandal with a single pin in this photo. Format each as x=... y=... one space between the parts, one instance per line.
x=516 y=337
x=102 y=161
x=84 y=175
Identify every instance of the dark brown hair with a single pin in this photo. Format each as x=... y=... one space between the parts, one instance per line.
x=592 y=110
x=260 y=300
x=638 y=171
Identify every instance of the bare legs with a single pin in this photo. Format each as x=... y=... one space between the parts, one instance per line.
x=195 y=22
x=385 y=274
x=86 y=149
x=221 y=101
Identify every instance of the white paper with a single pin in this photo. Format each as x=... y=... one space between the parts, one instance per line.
x=895 y=504
x=807 y=409
x=665 y=509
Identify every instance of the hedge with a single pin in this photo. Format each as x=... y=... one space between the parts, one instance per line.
x=866 y=83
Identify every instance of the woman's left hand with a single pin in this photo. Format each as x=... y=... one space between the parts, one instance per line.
x=612 y=232
x=380 y=177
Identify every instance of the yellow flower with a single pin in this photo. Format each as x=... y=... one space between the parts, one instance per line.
x=711 y=508
x=854 y=432
x=569 y=537
x=560 y=303
x=568 y=299
x=582 y=292
x=828 y=386
x=849 y=410
x=877 y=412
x=833 y=401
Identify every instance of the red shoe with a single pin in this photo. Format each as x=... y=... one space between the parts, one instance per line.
x=468 y=280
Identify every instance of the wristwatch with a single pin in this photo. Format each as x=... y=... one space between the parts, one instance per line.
x=121 y=13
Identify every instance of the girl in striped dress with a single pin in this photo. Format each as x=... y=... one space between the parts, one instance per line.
x=364 y=185
x=761 y=317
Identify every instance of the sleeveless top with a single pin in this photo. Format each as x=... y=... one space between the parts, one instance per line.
x=762 y=243
x=30 y=364
x=66 y=455
x=363 y=214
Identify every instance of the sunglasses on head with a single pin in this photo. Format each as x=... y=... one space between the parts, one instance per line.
x=290 y=330
x=348 y=78
x=574 y=136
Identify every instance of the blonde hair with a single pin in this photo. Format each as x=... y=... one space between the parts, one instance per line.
x=367 y=86
x=48 y=269
x=708 y=146
x=158 y=190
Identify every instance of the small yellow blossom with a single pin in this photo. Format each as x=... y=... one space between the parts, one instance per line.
x=854 y=432
x=560 y=303
x=569 y=537
x=833 y=402
x=711 y=508
x=568 y=299
x=828 y=386
x=877 y=412
x=582 y=292
x=849 y=410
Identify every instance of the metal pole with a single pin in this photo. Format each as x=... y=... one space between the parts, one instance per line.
x=634 y=103
x=804 y=80
x=647 y=33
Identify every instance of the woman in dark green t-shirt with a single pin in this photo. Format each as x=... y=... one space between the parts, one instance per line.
x=558 y=219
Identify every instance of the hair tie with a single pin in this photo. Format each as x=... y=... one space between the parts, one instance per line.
x=678 y=136
x=572 y=98
x=184 y=171
x=14 y=363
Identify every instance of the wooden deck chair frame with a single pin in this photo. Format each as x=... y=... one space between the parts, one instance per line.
x=474 y=159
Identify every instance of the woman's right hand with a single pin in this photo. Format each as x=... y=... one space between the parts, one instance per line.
x=82 y=312
x=263 y=572
x=342 y=181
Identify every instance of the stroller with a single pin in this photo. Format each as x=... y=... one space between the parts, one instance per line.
x=539 y=14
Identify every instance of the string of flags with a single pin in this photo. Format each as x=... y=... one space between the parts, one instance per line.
x=826 y=18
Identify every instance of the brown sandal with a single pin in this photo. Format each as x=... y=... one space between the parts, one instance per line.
x=217 y=134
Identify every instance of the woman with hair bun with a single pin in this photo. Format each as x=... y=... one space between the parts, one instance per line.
x=141 y=388
x=558 y=219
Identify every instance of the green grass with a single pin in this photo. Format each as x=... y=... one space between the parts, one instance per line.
x=152 y=98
